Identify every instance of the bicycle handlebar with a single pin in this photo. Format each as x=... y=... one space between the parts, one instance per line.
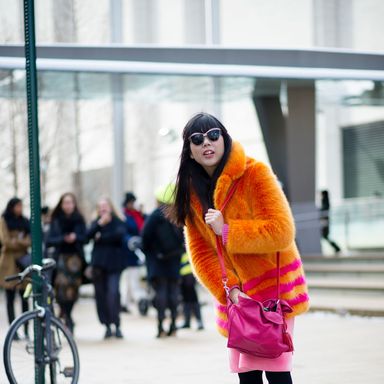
x=12 y=277
x=47 y=264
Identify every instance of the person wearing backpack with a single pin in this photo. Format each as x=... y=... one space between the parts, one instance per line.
x=163 y=245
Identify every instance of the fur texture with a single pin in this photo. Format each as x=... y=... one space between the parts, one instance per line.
x=260 y=224
x=15 y=244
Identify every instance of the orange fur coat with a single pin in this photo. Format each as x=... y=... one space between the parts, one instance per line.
x=260 y=224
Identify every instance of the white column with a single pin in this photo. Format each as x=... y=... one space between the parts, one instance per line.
x=117 y=89
x=212 y=37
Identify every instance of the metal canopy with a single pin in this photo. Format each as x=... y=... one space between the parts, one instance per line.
x=211 y=61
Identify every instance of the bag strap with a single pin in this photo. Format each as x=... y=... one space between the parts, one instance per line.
x=230 y=194
x=219 y=248
x=278 y=274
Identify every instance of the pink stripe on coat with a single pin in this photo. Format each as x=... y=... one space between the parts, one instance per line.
x=272 y=273
x=271 y=292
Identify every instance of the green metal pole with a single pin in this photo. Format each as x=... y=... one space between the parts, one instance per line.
x=34 y=163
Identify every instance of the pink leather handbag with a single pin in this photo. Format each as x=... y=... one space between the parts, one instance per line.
x=254 y=327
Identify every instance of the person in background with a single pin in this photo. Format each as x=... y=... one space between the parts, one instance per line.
x=16 y=240
x=67 y=235
x=45 y=225
x=191 y=303
x=134 y=222
x=107 y=233
x=45 y=218
x=324 y=220
x=163 y=245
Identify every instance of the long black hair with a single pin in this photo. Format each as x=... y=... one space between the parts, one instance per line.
x=192 y=175
x=58 y=212
x=20 y=223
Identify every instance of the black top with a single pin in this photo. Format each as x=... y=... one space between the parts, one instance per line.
x=17 y=223
x=163 y=245
x=63 y=225
x=107 y=250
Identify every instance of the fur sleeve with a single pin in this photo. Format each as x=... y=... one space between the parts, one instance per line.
x=205 y=263
x=272 y=228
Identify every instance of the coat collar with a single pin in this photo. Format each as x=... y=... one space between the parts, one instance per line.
x=232 y=171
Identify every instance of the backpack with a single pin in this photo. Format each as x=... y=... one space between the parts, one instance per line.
x=169 y=241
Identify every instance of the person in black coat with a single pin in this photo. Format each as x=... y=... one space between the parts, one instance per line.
x=163 y=245
x=324 y=220
x=107 y=232
x=67 y=235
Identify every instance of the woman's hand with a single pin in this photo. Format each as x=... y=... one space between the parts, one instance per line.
x=105 y=219
x=235 y=293
x=215 y=220
x=70 y=238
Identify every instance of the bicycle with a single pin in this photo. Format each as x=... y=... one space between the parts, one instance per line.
x=54 y=355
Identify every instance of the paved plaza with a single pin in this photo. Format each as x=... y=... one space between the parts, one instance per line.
x=329 y=350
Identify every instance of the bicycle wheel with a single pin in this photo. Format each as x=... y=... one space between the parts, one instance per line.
x=62 y=364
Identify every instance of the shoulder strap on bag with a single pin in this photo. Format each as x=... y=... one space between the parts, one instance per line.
x=278 y=273
x=220 y=249
x=224 y=277
x=230 y=194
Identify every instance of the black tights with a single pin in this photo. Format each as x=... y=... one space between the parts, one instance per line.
x=66 y=313
x=167 y=294
x=10 y=297
x=256 y=377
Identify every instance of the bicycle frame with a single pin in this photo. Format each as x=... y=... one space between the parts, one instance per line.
x=45 y=313
x=49 y=332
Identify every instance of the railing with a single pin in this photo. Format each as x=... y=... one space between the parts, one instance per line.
x=359 y=223
x=355 y=224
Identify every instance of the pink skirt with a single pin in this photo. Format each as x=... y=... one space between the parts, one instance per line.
x=242 y=362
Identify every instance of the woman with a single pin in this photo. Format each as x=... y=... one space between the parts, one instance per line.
x=163 y=245
x=107 y=232
x=15 y=238
x=324 y=220
x=256 y=223
x=67 y=235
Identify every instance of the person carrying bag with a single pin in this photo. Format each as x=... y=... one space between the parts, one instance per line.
x=248 y=248
x=254 y=327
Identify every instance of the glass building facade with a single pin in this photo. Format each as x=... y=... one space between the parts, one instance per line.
x=79 y=110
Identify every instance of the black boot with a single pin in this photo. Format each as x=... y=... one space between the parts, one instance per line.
x=172 y=328
x=118 y=333
x=160 y=330
x=187 y=316
x=108 y=332
x=68 y=321
x=197 y=313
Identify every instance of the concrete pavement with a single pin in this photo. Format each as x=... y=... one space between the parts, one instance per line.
x=329 y=350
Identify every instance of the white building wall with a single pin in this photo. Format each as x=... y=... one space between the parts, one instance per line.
x=274 y=23
x=368 y=25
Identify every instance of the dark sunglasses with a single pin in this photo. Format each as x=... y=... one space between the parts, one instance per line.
x=198 y=138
